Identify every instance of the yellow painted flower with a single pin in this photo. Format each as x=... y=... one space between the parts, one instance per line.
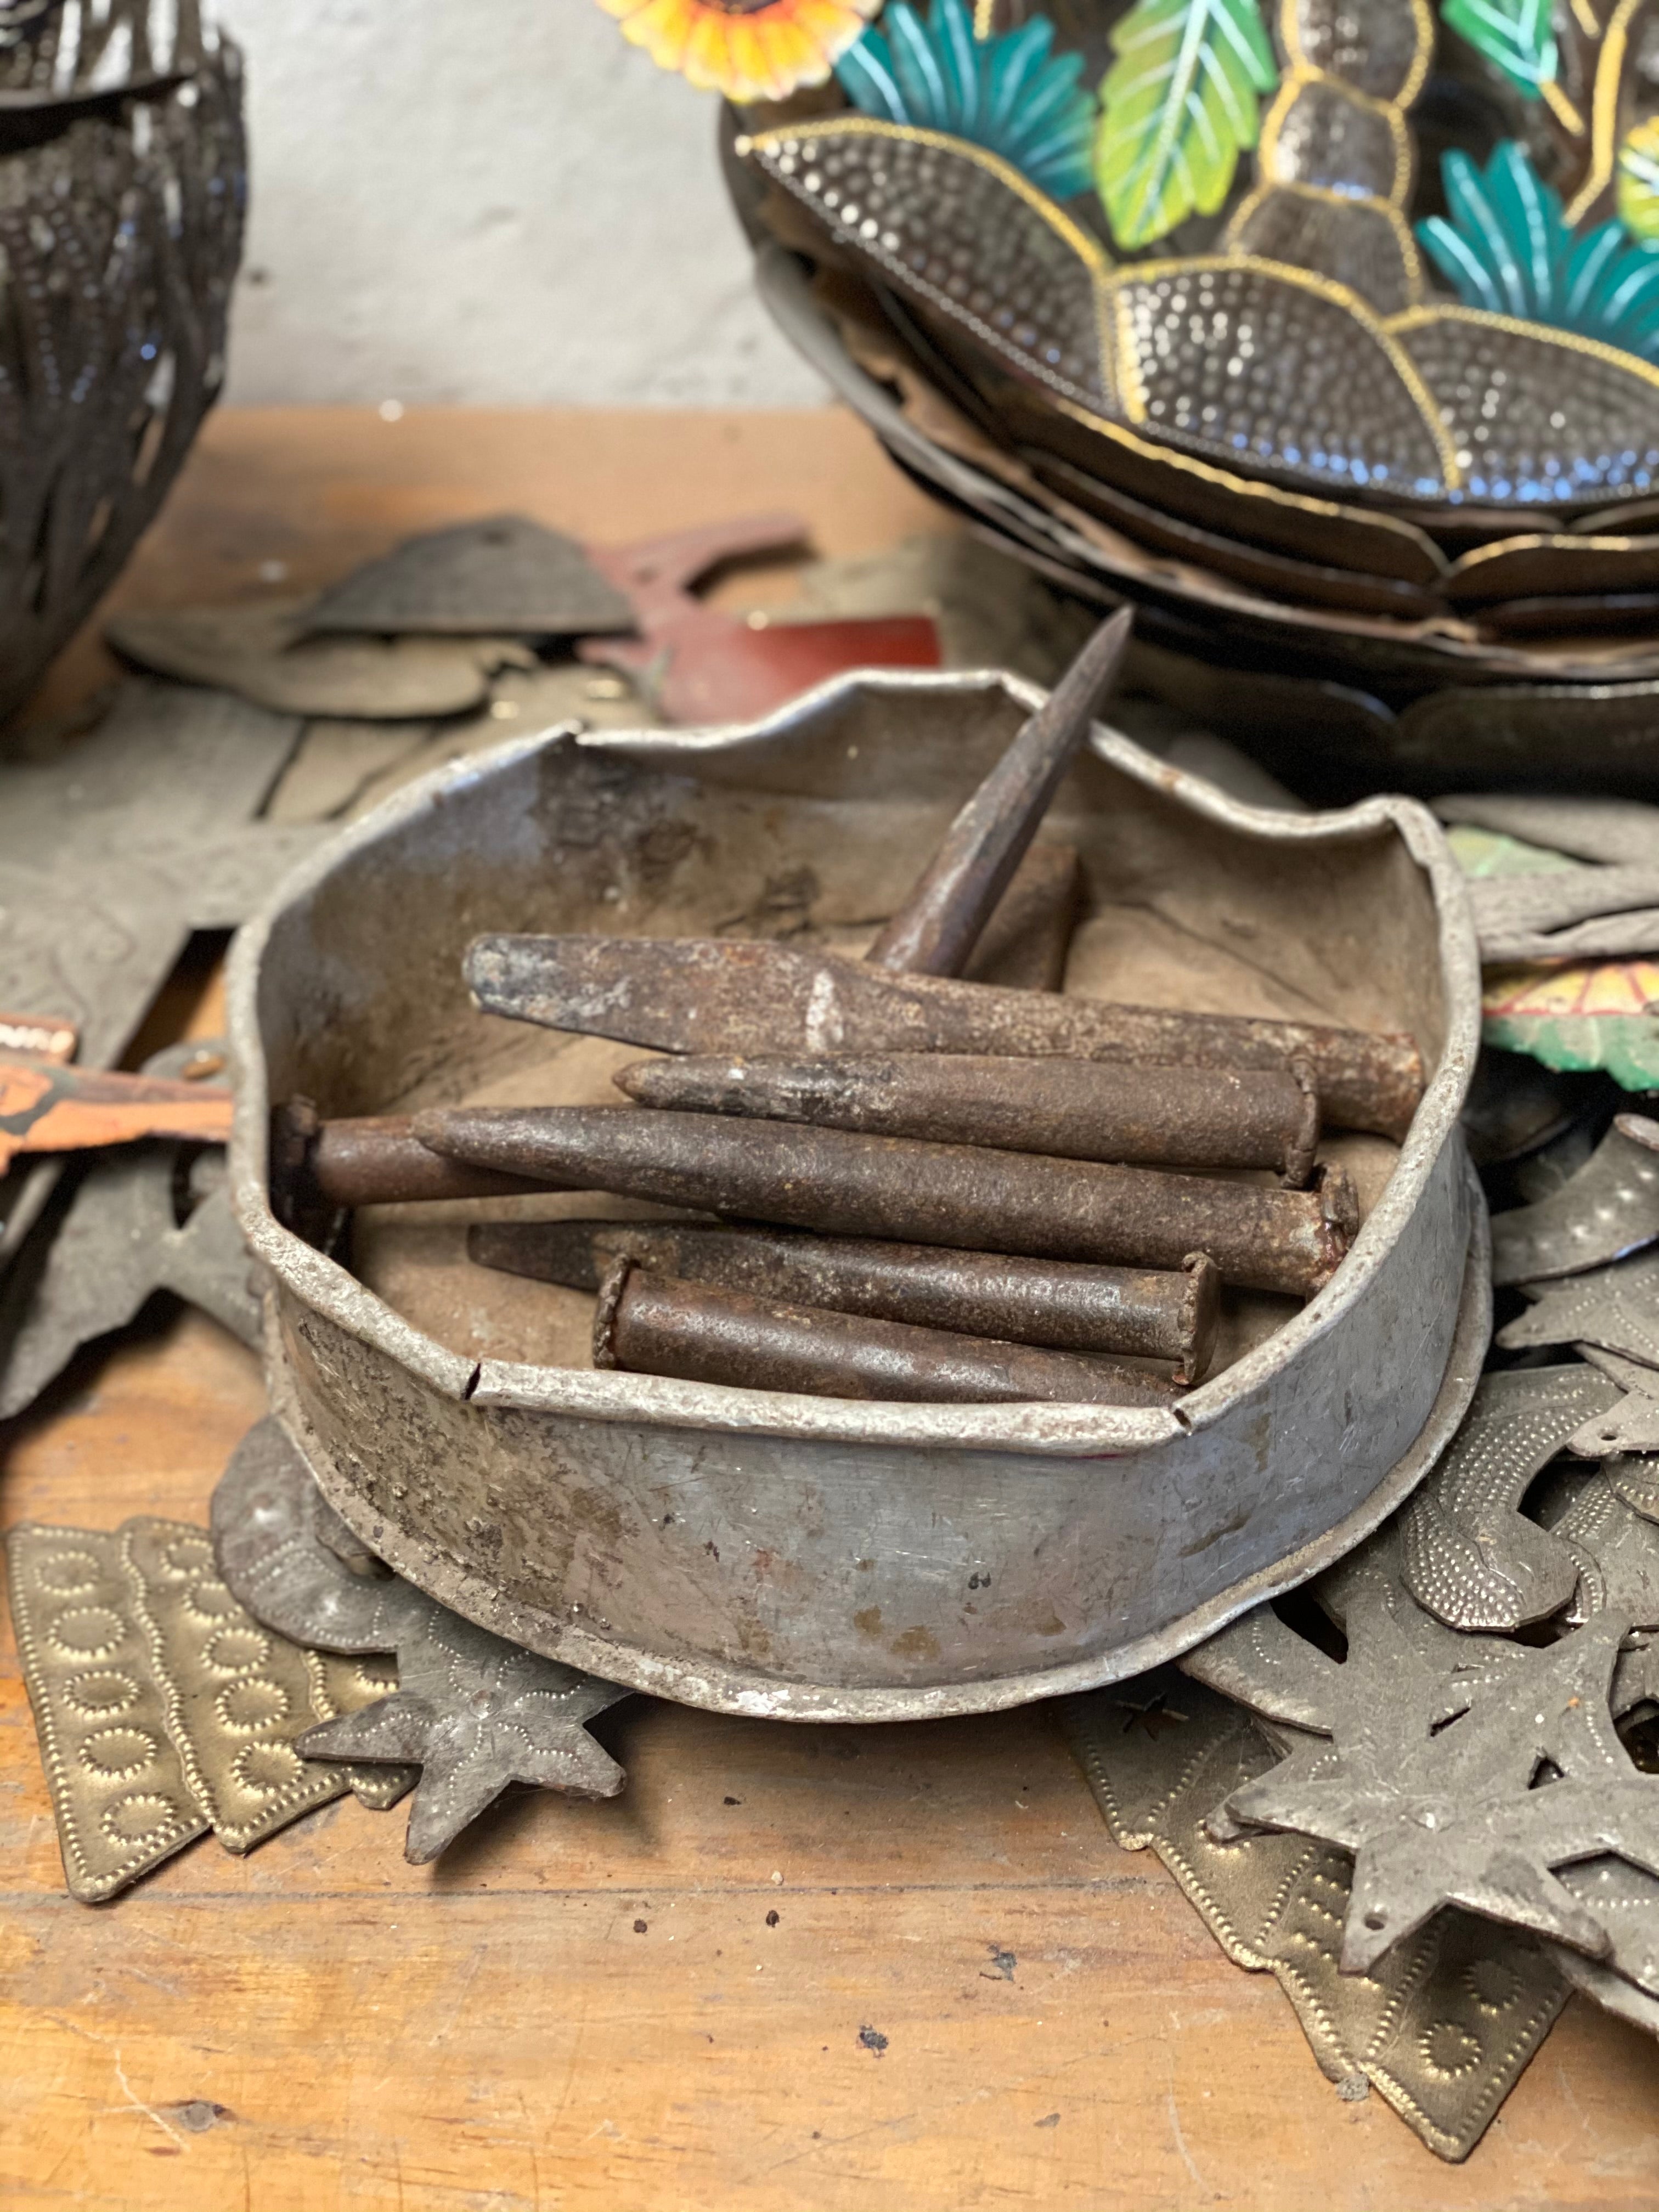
x=746 y=49
x=1639 y=180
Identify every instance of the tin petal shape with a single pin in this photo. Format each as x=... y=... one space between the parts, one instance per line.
x=1470 y=1556
x=1609 y=1209
x=1616 y=1308
x=472 y=1711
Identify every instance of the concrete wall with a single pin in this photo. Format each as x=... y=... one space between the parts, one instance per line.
x=487 y=203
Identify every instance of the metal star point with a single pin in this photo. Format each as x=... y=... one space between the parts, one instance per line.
x=474 y=1712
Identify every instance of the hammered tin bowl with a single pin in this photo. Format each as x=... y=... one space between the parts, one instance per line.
x=808 y=1558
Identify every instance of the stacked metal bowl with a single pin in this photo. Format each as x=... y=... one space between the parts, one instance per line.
x=1326 y=331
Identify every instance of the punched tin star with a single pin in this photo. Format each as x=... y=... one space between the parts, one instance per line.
x=474 y=1711
x=1463 y=1811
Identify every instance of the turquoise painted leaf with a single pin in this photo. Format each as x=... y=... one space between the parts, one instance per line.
x=1517 y=35
x=1504 y=245
x=1011 y=94
x=1180 y=104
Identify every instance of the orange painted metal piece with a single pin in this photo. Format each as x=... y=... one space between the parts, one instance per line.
x=48 y=1107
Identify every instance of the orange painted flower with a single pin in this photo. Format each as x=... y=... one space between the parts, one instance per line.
x=746 y=49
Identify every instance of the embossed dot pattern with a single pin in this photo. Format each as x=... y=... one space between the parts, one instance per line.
x=102 y=1691
x=1264 y=373
x=90 y=1631
x=1470 y=1556
x=236 y=1693
x=121 y=1753
x=67 y=1574
x=250 y=1708
x=1534 y=421
x=1356 y=244
x=1459 y=1985
x=949 y=231
x=1325 y=139
x=1373 y=49
x=118 y=1788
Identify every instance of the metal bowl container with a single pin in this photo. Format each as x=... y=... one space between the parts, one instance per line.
x=808 y=1558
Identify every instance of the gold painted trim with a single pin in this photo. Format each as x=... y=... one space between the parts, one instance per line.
x=1551 y=542
x=1562 y=108
x=1604 y=110
x=1253 y=487
x=1097 y=263
x=1340 y=295
x=1299 y=80
x=985 y=16
x=1410 y=258
x=1087 y=248
x=1584 y=16
x=1289 y=32
x=1411 y=319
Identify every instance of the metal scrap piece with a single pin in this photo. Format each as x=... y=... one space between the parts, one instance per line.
x=1610 y=1208
x=695 y=664
x=501 y=576
x=263 y=654
x=1615 y=1307
x=1569 y=914
x=118 y=1788
x=1442 y=1811
x=472 y=1711
x=342 y=1685
x=1625 y=1898
x=232 y=1691
x=1619 y=831
x=1617 y=1549
x=1629 y=1425
x=1445 y=2024
x=1469 y=1554
x=147 y=1218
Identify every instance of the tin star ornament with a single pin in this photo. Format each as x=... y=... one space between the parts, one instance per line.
x=474 y=1711
x=1478 y=1810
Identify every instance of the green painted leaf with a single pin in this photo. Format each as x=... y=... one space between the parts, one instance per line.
x=1180 y=103
x=1638 y=181
x=1625 y=1045
x=1009 y=92
x=1517 y=35
x=1504 y=245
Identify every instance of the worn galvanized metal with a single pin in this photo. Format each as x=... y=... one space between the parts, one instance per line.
x=804 y=1558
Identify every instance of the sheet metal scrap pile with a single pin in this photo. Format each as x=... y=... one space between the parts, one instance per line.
x=1426 y=1797
x=992 y=1223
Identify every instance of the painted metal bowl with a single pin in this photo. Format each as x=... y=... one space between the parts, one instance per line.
x=804 y=1557
x=1341 y=320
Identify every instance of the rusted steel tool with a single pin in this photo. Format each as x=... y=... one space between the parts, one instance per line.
x=46 y=1106
x=659 y=1325
x=709 y=995
x=961 y=1195
x=320 y=1169
x=1025 y=944
x=935 y=930
x=1183 y=1117
x=1150 y=1313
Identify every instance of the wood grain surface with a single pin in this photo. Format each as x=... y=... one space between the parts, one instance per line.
x=837 y=1969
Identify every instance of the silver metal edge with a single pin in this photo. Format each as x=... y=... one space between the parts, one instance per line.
x=734 y=1690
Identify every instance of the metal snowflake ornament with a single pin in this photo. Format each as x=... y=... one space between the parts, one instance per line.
x=474 y=1711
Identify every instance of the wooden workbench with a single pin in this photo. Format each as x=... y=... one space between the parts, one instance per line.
x=658 y=2003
